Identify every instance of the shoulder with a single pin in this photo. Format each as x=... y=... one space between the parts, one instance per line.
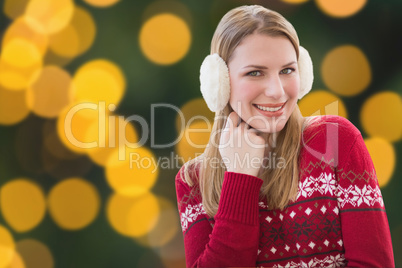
x=328 y=137
x=322 y=123
x=329 y=129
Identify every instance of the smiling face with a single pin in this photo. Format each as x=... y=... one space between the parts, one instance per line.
x=264 y=80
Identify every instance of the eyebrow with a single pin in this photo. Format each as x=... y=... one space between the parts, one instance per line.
x=264 y=67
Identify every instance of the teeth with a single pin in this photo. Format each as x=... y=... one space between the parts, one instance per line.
x=269 y=109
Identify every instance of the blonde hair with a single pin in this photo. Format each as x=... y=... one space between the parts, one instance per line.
x=279 y=184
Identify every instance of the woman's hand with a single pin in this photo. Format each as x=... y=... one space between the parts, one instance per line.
x=241 y=147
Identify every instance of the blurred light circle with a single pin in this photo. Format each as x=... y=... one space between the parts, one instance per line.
x=17 y=78
x=17 y=261
x=132 y=171
x=14 y=8
x=51 y=92
x=384 y=157
x=48 y=16
x=20 y=29
x=59 y=168
x=73 y=203
x=174 y=250
x=7 y=247
x=22 y=204
x=35 y=254
x=20 y=53
x=111 y=134
x=193 y=108
x=321 y=102
x=52 y=143
x=53 y=59
x=165 y=228
x=381 y=116
x=133 y=216
x=73 y=123
x=102 y=3
x=165 y=39
x=340 y=8
x=194 y=140
x=295 y=1
x=346 y=70
x=99 y=80
x=13 y=107
x=76 y=37
x=168 y=6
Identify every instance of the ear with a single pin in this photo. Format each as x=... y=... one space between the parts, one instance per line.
x=305 y=71
x=215 y=82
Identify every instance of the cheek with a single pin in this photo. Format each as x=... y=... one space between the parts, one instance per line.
x=242 y=90
x=293 y=87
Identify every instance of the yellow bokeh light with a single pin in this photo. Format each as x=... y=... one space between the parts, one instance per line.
x=76 y=37
x=22 y=204
x=194 y=108
x=168 y=6
x=165 y=39
x=166 y=227
x=295 y=1
x=16 y=78
x=341 y=8
x=111 y=134
x=194 y=140
x=102 y=3
x=383 y=155
x=322 y=102
x=51 y=92
x=20 y=29
x=73 y=203
x=381 y=116
x=174 y=250
x=13 y=107
x=346 y=70
x=7 y=247
x=99 y=80
x=16 y=262
x=48 y=16
x=59 y=168
x=35 y=254
x=133 y=216
x=21 y=53
x=131 y=171
x=14 y=8
x=73 y=124
x=53 y=144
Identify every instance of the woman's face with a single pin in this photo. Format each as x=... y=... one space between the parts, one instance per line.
x=265 y=83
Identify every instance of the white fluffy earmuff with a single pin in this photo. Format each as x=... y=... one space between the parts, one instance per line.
x=215 y=81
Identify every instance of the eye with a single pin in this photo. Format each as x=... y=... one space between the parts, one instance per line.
x=287 y=71
x=254 y=73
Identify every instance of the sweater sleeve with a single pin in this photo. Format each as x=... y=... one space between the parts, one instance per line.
x=233 y=239
x=364 y=224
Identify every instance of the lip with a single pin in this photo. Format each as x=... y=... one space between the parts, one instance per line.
x=271 y=114
x=271 y=105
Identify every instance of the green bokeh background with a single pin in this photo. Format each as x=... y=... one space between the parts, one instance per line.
x=376 y=30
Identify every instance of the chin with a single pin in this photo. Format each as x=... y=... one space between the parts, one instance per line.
x=264 y=129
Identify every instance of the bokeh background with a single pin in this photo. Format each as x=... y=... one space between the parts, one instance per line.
x=95 y=63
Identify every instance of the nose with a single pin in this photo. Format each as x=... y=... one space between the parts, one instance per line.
x=273 y=87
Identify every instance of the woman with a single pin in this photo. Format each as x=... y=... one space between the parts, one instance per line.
x=273 y=188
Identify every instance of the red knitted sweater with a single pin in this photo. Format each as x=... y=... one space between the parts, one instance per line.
x=337 y=219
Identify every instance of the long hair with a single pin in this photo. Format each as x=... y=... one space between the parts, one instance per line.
x=280 y=184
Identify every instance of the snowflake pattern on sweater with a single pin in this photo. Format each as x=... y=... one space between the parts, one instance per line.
x=337 y=219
